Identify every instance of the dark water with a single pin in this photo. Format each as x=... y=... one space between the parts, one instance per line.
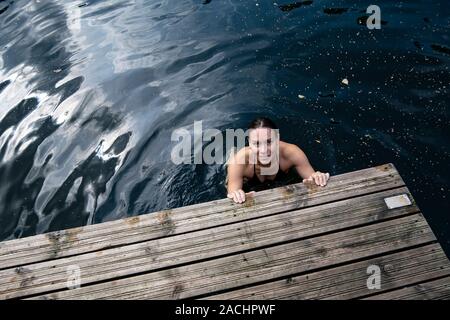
x=90 y=92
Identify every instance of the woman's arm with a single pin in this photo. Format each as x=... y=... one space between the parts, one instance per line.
x=299 y=159
x=235 y=178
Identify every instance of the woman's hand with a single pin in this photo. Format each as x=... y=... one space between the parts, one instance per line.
x=238 y=196
x=318 y=178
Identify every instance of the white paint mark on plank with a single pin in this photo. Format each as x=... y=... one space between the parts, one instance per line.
x=398 y=201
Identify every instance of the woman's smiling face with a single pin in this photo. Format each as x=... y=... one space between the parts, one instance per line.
x=263 y=143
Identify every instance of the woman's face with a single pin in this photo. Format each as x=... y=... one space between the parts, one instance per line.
x=264 y=144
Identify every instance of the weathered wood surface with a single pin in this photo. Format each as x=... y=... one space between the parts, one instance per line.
x=293 y=242
x=431 y=290
x=350 y=281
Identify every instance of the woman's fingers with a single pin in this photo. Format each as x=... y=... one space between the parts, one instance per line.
x=322 y=179
x=236 y=196
x=233 y=195
x=319 y=178
x=239 y=195
x=309 y=180
x=315 y=178
x=327 y=177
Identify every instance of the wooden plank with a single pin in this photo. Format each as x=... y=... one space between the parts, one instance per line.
x=350 y=281
x=191 y=218
x=259 y=265
x=247 y=235
x=431 y=290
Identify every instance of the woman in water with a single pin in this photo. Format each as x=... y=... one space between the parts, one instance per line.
x=267 y=159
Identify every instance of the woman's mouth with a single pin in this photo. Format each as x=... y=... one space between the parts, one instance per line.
x=264 y=159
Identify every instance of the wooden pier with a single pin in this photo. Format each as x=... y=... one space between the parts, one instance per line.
x=293 y=242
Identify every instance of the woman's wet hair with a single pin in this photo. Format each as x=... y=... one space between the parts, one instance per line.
x=262 y=122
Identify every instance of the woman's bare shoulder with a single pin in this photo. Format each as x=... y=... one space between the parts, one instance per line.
x=240 y=157
x=291 y=152
x=289 y=148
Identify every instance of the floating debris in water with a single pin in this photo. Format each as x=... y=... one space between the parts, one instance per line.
x=301 y=96
x=295 y=5
x=335 y=10
x=334 y=121
x=440 y=48
x=327 y=95
x=345 y=81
